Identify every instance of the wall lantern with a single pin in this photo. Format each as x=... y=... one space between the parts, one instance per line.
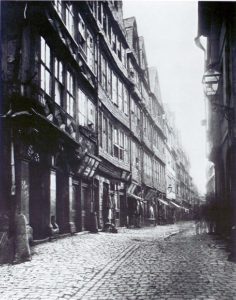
x=169 y=189
x=210 y=82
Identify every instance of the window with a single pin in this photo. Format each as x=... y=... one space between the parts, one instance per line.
x=82 y=108
x=113 y=40
x=118 y=45
x=105 y=23
x=125 y=101
x=126 y=149
x=100 y=12
x=70 y=100
x=82 y=34
x=116 y=142
x=100 y=129
x=114 y=89
x=109 y=85
x=45 y=67
x=105 y=134
x=120 y=95
x=58 y=6
x=123 y=55
x=90 y=51
x=103 y=72
x=87 y=111
x=110 y=138
x=70 y=19
x=92 y=5
x=121 y=145
x=58 y=73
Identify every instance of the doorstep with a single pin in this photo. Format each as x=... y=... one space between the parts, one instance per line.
x=59 y=236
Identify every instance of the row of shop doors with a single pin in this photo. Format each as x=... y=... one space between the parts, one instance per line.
x=46 y=196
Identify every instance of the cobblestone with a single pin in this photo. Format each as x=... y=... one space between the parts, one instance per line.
x=147 y=263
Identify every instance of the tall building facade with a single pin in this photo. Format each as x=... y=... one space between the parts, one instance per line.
x=217 y=23
x=82 y=129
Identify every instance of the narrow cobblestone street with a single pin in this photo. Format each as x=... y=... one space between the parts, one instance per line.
x=163 y=262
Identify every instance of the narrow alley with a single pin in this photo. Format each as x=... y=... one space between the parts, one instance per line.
x=162 y=262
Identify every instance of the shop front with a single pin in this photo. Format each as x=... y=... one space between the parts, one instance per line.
x=135 y=205
x=112 y=184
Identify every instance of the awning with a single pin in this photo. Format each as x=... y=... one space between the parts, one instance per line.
x=150 y=194
x=131 y=188
x=163 y=201
x=175 y=204
x=89 y=165
x=134 y=196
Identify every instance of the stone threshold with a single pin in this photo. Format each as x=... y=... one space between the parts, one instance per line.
x=60 y=236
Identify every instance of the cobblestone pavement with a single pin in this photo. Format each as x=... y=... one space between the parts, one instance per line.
x=163 y=262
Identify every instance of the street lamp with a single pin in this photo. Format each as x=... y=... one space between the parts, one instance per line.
x=210 y=82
